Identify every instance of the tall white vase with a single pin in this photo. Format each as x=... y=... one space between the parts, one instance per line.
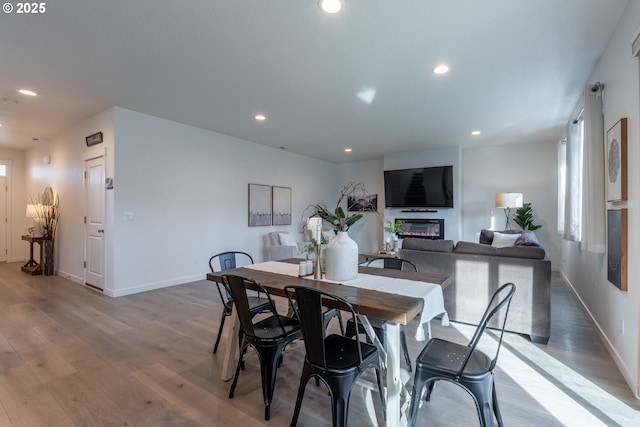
x=341 y=257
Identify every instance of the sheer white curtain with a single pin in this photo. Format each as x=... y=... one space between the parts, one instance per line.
x=562 y=182
x=583 y=175
x=593 y=179
x=573 y=180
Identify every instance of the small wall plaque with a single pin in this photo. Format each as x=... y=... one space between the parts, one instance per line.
x=94 y=139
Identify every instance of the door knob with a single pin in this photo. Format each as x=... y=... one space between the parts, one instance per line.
x=100 y=230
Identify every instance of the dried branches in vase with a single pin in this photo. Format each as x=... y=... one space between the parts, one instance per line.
x=48 y=214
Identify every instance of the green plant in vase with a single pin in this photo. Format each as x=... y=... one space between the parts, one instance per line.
x=337 y=218
x=341 y=253
x=392 y=229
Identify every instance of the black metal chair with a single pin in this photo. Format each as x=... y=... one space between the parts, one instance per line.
x=464 y=365
x=377 y=324
x=268 y=336
x=228 y=260
x=336 y=360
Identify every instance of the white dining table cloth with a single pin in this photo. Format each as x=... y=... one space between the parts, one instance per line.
x=430 y=293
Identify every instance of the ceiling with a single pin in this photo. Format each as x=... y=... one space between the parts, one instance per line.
x=361 y=79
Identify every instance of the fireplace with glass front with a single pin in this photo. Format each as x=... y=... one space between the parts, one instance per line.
x=421 y=228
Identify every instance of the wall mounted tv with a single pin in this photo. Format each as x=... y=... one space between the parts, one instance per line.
x=419 y=188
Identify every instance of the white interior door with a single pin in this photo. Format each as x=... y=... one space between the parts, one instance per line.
x=94 y=175
x=4 y=220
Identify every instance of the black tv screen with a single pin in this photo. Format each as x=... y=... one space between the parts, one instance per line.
x=419 y=188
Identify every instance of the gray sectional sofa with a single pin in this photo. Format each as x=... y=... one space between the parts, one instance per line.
x=478 y=269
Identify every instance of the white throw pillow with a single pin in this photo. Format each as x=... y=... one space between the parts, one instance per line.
x=287 y=239
x=502 y=240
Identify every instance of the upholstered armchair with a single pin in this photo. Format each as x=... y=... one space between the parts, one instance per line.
x=283 y=245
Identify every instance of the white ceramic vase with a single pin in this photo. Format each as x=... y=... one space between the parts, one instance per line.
x=341 y=257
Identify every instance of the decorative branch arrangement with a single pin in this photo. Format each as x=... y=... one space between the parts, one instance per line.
x=48 y=215
x=47 y=207
x=337 y=218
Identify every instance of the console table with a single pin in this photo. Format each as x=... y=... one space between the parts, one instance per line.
x=32 y=267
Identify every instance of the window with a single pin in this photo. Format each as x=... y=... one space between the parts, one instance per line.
x=3 y=170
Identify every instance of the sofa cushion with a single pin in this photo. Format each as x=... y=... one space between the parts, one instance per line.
x=287 y=239
x=474 y=248
x=508 y=251
x=532 y=252
x=427 y=245
x=501 y=240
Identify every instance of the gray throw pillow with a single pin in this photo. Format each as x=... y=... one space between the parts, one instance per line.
x=527 y=238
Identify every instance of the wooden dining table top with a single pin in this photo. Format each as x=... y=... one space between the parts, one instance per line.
x=381 y=305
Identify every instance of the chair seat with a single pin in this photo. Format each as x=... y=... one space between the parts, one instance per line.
x=269 y=328
x=342 y=352
x=446 y=358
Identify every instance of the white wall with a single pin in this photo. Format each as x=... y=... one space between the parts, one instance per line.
x=65 y=175
x=368 y=231
x=427 y=158
x=187 y=189
x=530 y=169
x=17 y=249
x=615 y=312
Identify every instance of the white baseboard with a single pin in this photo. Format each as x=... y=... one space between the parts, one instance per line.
x=153 y=286
x=70 y=276
x=624 y=370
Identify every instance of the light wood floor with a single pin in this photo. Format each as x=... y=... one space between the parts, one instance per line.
x=70 y=356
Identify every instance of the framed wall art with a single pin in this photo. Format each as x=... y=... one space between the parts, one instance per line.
x=366 y=203
x=617 y=248
x=616 y=161
x=94 y=139
x=281 y=205
x=259 y=205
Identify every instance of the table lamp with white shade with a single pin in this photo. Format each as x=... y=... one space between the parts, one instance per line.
x=507 y=201
x=33 y=212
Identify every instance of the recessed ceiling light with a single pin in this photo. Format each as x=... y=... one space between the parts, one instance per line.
x=261 y=117
x=441 y=69
x=330 y=6
x=27 y=92
x=348 y=150
x=475 y=132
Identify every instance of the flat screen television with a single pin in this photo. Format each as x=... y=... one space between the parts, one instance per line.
x=419 y=188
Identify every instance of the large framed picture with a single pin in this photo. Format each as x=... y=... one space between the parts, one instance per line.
x=366 y=203
x=281 y=205
x=616 y=161
x=617 y=248
x=259 y=205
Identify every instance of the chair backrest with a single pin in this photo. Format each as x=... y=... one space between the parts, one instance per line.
x=238 y=285
x=393 y=263
x=501 y=299
x=226 y=261
x=309 y=306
